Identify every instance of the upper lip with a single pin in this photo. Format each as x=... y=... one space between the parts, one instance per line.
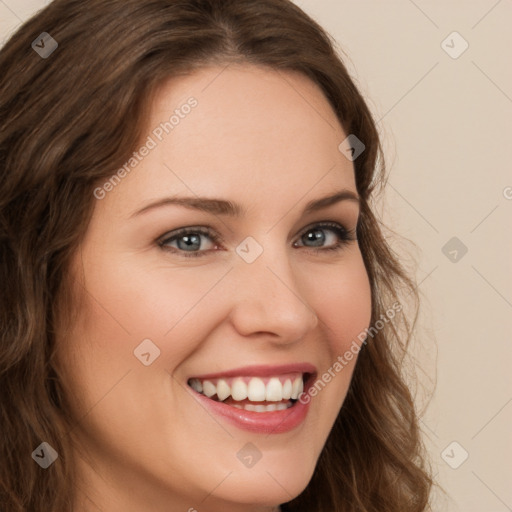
x=260 y=371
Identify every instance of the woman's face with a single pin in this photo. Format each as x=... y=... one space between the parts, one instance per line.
x=222 y=261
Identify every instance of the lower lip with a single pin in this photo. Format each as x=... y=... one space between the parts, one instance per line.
x=272 y=422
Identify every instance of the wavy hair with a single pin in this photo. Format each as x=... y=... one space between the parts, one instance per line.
x=67 y=124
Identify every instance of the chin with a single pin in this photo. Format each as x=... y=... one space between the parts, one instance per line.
x=267 y=485
x=264 y=490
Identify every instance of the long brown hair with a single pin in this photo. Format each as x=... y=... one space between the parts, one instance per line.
x=68 y=121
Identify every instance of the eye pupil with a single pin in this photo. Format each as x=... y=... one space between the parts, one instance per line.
x=191 y=241
x=317 y=236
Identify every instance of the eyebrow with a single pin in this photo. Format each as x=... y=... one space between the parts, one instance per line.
x=223 y=207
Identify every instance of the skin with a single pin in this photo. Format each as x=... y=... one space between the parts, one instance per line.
x=268 y=141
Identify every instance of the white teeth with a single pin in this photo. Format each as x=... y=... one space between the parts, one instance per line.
x=287 y=389
x=263 y=408
x=223 y=390
x=239 y=390
x=297 y=388
x=274 y=390
x=196 y=385
x=256 y=390
x=209 y=389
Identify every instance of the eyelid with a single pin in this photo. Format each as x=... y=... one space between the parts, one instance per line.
x=325 y=224
x=202 y=230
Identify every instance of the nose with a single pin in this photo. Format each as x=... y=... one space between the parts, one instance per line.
x=268 y=300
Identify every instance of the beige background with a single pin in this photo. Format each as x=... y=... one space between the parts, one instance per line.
x=447 y=129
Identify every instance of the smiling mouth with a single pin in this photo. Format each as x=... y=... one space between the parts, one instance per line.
x=256 y=394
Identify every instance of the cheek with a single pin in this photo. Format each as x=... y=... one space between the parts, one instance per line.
x=345 y=305
x=131 y=299
x=344 y=311
x=125 y=303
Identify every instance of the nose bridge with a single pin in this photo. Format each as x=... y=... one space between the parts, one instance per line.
x=269 y=299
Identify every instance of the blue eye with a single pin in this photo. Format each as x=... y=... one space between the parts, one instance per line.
x=189 y=242
x=317 y=237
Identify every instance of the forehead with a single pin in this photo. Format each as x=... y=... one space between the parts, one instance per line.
x=240 y=131
x=240 y=100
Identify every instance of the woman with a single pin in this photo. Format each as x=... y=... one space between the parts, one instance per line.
x=199 y=310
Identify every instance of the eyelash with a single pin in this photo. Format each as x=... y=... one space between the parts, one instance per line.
x=345 y=236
